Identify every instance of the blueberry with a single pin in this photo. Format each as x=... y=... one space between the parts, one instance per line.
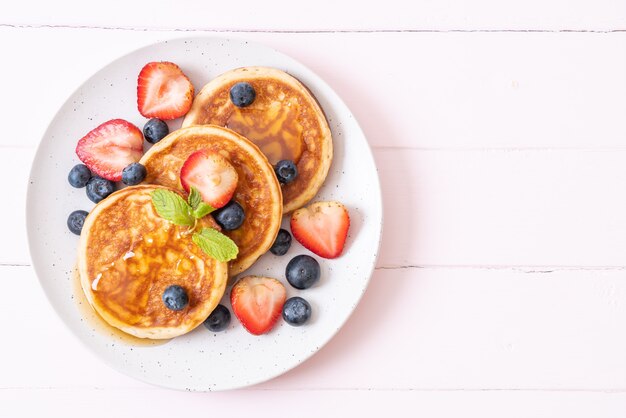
x=155 y=130
x=296 y=311
x=302 y=271
x=286 y=171
x=242 y=94
x=99 y=188
x=218 y=320
x=281 y=243
x=230 y=216
x=76 y=220
x=79 y=176
x=175 y=298
x=133 y=174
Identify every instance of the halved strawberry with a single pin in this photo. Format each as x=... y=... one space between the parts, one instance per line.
x=258 y=302
x=163 y=91
x=110 y=147
x=213 y=176
x=322 y=228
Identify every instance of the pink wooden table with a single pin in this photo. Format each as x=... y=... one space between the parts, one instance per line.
x=499 y=134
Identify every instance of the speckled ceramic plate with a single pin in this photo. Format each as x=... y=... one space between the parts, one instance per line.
x=202 y=360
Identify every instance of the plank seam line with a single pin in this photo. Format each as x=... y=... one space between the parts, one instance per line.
x=33 y=147
x=290 y=31
x=519 y=268
x=499 y=149
x=333 y=389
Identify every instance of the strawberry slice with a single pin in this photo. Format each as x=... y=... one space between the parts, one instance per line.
x=110 y=147
x=163 y=91
x=213 y=176
x=258 y=302
x=322 y=228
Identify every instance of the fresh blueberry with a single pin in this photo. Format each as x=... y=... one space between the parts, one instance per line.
x=133 y=174
x=302 y=271
x=175 y=298
x=99 y=188
x=286 y=171
x=296 y=311
x=155 y=130
x=281 y=243
x=76 y=220
x=230 y=216
x=218 y=320
x=242 y=94
x=79 y=176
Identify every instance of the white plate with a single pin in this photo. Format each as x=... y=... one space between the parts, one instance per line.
x=202 y=360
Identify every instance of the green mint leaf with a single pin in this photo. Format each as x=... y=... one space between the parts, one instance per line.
x=215 y=244
x=194 y=198
x=199 y=208
x=202 y=210
x=172 y=207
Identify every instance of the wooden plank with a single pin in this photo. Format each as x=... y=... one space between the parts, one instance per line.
x=503 y=207
x=96 y=403
x=15 y=166
x=326 y=15
x=418 y=90
x=415 y=329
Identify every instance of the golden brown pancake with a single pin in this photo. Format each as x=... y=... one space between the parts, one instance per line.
x=258 y=190
x=128 y=256
x=285 y=121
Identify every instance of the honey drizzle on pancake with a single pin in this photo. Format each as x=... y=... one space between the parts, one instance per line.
x=129 y=255
x=258 y=190
x=274 y=128
x=99 y=325
x=304 y=137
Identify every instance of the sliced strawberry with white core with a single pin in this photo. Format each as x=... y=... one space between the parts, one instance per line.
x=110 y=147
x=213 y=176
x=163 y=91
x=322 y=228
x=258 y=302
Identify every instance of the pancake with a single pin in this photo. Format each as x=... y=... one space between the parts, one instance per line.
x=285 y=121
x=258 y=190
x=128 y=255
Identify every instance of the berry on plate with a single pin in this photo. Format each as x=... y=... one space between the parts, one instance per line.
x=213 y=176
x=79 y=176
x=218 y=320
x=134 y=174
x=76 y=220
x=230 y=216
x=242 y=94
x=110 y=147
x=302 y=271
x=281 y=243
x=322 y=228
x=163 y=91
x=258 y=302
x=175 y=298
x=99 y=188
x=286 y=171
x=155 y=130
x=296 y=311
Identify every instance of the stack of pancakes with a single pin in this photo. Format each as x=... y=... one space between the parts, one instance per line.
x=128 y=255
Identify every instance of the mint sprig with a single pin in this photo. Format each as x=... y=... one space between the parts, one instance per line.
x=199 y=208
x=171 y=207
x=216 y=244
x=195 y=198
x=202 y=210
